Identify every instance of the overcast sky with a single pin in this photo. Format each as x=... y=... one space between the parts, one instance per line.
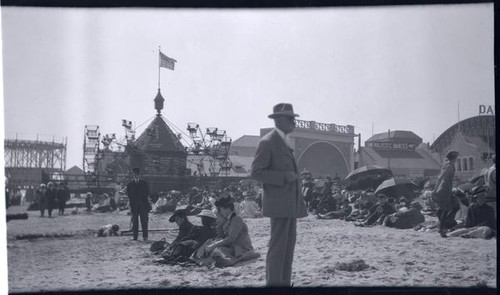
x=398 y=68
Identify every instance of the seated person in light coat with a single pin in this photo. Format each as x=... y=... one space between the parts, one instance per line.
x=249 y=208
x=233 y=244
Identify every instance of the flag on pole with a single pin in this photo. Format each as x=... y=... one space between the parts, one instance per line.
x=167 y=62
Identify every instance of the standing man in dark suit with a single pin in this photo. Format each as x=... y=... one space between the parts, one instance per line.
x=275 y=166
x=51 y=197
x=138 y=193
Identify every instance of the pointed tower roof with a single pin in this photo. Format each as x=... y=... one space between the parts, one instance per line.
x=159 y=137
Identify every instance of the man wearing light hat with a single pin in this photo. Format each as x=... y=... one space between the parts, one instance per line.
x=274 y=165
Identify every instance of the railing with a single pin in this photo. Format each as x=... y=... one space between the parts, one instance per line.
x=324 y=127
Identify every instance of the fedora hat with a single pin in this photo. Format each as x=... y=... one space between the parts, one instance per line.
x=207 y=213
x=282 y=109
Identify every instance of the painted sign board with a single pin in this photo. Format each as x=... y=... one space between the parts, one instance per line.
x=486 y=109
x=391 y=145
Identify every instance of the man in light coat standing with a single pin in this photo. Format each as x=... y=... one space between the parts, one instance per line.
x=275 y=166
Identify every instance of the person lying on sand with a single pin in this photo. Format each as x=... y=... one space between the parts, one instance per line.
x=109 y=230
x=405 y=219
x=344 y=211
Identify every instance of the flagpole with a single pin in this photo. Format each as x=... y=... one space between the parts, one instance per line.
x=159 y=61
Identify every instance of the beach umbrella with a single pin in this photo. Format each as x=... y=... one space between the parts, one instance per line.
x=369 y=176
x=466 y=187
x=476 y=180
x=397 y=187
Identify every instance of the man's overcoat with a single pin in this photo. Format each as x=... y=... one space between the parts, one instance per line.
x=273 y=160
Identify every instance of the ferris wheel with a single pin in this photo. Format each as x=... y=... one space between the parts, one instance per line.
x=211 y=146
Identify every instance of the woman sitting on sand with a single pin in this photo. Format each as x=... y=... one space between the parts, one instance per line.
x=181 y=250
x=480 y=220
x=104 y=204
x=233 y=244
x=249 y=208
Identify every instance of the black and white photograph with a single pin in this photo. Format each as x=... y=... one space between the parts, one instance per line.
x=185 y=148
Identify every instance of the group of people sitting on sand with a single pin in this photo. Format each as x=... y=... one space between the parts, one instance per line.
x=471 y=215
x=223 y=237
x=246 y=202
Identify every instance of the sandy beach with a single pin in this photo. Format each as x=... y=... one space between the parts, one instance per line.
x=70 y=258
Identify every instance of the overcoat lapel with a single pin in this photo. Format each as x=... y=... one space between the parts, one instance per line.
x=282 y=145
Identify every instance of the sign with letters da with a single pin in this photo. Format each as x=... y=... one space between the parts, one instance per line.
x=486 y=109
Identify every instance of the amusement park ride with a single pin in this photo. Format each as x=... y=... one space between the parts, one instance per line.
x=210 y=147
x=160 y=153
x=213 y=145
x=94 y=148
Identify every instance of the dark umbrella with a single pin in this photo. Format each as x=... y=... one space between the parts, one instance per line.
x=369 y=176
x=397 y=187
x=476 y=180
x=466 y=187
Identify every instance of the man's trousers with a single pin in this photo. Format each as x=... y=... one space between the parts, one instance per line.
x=280 y=254
x=140 y=210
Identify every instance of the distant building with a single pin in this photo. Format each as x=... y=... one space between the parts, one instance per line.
x=324 y=149
x=245 y=146
x=474 y=140
x=321 y=148
x=401 y=151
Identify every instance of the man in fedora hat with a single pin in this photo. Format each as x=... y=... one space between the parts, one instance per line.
x=138 y=193
x=274 y=165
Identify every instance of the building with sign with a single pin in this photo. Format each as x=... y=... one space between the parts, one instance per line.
x=321 y=148
x=324 y=149
x=474 y=140
x=401 y=151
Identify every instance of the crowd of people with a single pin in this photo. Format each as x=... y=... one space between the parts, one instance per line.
x=469 y=213
x=51 y=196
x=465 y=214
x=284 y=195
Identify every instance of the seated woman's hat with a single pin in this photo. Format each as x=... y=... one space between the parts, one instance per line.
x=283 y=109
x=178 y=212
x=207 y=213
